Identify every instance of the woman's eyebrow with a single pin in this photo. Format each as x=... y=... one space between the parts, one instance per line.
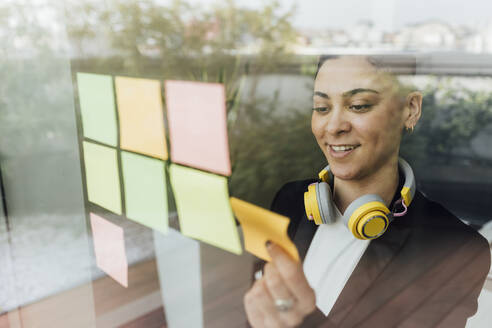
x=346 y=93
x=358 y=90
x=321 y=94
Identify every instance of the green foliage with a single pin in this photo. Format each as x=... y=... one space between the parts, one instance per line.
x=451 y=117
x=180 y=41
x=33 y=98
x=185 y=40
x=268 y=150
x=271 y=148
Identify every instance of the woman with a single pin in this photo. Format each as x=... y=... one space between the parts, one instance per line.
x=425 y=270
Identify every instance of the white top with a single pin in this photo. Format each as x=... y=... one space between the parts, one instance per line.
x=330 y=260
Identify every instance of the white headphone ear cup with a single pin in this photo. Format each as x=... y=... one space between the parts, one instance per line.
x=325 y=202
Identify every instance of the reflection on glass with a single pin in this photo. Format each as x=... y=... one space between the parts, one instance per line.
x=178 y=262
x=265 y=55
x=389 y=246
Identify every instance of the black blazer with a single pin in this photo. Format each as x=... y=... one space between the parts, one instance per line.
x=427 y=270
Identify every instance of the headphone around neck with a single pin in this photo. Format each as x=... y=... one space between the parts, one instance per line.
x=367 y=217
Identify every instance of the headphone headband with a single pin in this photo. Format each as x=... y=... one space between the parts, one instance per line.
x=407 y=192
x=409 y=187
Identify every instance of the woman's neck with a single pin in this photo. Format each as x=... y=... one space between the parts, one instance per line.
x=383 y=183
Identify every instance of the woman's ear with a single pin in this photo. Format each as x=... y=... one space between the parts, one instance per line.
x=414 y=105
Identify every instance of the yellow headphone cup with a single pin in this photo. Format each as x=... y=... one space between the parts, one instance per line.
x=372 y=225
x=369 y=221
x=311 y=205
x=307 y=206
x=406 y=194
x=324 y=175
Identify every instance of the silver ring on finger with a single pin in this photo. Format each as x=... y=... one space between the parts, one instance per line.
x=284 y=305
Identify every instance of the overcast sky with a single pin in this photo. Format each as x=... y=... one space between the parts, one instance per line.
x=389 y=14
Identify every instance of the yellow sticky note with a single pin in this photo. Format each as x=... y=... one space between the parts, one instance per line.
x=204 y=212
x=260 y=225
x=141 y=116
x=101 y=173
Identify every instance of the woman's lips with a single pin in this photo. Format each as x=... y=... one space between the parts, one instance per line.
x=341 y=151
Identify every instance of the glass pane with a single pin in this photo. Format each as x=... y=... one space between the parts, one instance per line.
x=103 y=103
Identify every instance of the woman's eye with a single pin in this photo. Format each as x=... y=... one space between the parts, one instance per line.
x=359 y=107
x=320 y=109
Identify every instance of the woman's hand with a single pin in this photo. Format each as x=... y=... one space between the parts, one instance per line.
x=282 y=297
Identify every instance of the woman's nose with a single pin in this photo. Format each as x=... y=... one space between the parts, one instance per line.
x=337 y=122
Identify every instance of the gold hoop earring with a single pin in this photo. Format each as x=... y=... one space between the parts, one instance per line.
x=410 y=129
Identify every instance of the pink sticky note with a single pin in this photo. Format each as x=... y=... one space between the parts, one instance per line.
x=197 y=125
x=109 y=246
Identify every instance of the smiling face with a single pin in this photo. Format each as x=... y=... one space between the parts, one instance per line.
x=358 y=117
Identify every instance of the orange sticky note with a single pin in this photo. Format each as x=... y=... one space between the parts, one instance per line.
x=141 y=116
x=109 y=247
x=260 y=225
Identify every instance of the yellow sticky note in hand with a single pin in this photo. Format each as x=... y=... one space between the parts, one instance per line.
x=260 y=225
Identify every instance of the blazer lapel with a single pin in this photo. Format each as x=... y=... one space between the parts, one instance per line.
x=375 y=259
x=304 y=235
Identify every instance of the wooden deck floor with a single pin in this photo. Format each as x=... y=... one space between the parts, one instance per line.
x=104 y=303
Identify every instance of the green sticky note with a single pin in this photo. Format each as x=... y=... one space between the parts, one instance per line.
x=204 y=211
x=145 y=190
x=101 y=172
x=97 y=107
